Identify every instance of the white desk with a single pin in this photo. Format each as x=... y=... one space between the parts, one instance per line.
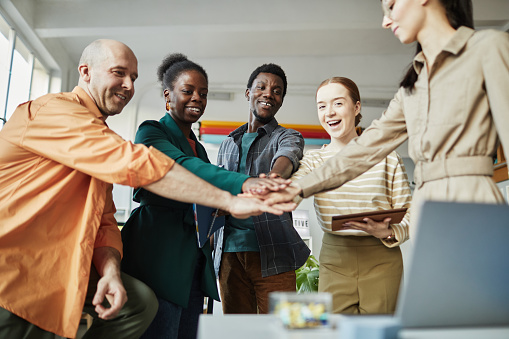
x=241 y=326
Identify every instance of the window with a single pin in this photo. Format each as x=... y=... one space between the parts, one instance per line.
x=21 y=70
x=22 y=75
x=4 y=64
x=40 y=80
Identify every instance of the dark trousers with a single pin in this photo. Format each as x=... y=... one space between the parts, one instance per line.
x=243 y=289
x=131 y=322
x=173 y=321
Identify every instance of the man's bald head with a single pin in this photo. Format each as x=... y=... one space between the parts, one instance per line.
x=99 y=49
x=108 y=69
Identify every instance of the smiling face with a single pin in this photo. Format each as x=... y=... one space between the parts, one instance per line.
x=404 y=17
x=188 y=98
x=108 y=77
x=337 y=111
x=265 y=97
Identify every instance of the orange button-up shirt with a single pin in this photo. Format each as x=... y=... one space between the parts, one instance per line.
x=58 y=160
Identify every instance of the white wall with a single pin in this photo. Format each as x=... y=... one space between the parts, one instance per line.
x=373 y=76
x=504 y=189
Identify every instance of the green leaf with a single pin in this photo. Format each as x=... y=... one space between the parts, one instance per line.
x=307 y=276
x=312 y=262
x=307 y=280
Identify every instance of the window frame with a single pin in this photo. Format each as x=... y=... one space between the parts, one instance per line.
x=32 y=60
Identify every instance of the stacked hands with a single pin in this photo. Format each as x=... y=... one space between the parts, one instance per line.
x=256 y=197
x=273 y=194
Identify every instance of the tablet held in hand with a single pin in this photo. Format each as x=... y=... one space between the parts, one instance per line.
x=396 y=216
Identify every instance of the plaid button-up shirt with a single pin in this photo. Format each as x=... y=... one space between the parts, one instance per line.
x=281 y=247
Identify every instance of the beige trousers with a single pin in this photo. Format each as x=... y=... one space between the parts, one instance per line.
x=361 y=273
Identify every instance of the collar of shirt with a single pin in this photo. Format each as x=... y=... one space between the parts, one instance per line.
x=268 y=128
x=87 y=101
x=454 y=46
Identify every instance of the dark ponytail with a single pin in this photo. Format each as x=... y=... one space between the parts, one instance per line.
x=459 y=13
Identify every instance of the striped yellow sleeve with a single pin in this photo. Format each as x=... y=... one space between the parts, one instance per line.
x=305 y=166
x=401 y=197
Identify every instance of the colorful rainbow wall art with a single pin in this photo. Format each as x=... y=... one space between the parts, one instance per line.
x=214 y=132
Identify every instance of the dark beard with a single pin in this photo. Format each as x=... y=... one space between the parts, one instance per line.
x=263 y=120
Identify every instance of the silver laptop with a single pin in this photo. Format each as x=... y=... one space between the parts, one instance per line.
x=459 y=269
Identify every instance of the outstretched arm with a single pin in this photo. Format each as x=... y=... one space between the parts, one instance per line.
x=283 y=167
x=180 y=184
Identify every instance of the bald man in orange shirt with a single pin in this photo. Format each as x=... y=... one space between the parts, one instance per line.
x=58 y=235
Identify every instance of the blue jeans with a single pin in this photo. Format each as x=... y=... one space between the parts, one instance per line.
x=173 y=321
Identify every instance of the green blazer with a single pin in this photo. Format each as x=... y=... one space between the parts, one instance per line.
x=160 y=245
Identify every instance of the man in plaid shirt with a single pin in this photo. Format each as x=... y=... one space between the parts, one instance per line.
x=259 y=255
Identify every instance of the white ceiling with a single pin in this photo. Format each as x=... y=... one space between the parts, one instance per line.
x=229 y=29
x=226 y=28
x=311 y=40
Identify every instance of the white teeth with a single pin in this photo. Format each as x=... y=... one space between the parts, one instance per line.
x=266 y=104
x=121 y=96
x=194 y=109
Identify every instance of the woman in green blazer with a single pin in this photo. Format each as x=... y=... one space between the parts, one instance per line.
x=160 y=244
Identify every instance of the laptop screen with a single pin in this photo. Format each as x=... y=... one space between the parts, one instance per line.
x=459 y=268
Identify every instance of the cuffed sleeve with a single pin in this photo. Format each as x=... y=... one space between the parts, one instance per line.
x=290 y=145
x=401 y=197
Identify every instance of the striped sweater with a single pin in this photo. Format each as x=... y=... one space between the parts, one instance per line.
x=383 y=187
